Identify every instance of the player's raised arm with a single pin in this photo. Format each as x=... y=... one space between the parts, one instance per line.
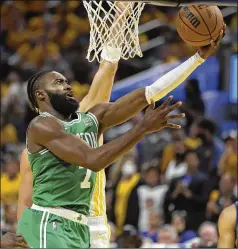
x=100 y=90
x=177 y=76
x=226 y=227
x=49 y=133
x=127 y=106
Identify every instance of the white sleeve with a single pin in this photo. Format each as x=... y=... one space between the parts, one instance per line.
x=172 y=79
x=168 y=172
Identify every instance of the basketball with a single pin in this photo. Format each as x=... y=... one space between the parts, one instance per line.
x=197 y=25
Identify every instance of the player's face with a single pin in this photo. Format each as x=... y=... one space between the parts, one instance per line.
x=60 y=94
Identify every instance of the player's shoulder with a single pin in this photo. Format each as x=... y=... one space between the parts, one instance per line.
x=228 y=215
x=231 y=210
x=44 y=123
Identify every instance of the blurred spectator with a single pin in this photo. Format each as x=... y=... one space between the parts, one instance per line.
x=14 y=105
x=125 y=202
x=168 y=154
x=211 y=148
x=10 y=182
x=167 y=235
x=179 y=222
x=11 y=218
x=188 y=193
x=193 y=106
x=228 y=162
x=155 y=220
x=8 y=133
x=178 y=166
x=208 y=235
x=129 y=238
x=222 y=198
x=16 y=95
x=116 y=171
x=3 y=222
x=151 y=196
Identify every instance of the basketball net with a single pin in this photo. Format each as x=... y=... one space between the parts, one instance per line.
x=111 y=26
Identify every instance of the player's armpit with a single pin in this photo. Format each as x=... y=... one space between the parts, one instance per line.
x=26 y=185
x=123 y=109
x=226 y=227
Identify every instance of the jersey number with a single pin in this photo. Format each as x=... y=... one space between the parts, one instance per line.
x=86 y=183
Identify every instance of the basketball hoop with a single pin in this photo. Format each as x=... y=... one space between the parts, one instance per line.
x=112 y=27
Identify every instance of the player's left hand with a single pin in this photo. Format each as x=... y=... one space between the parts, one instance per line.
x=206 y=51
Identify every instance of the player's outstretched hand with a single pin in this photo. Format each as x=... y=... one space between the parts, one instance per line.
x=159 y=118
x=12 y=240
x=206 y=51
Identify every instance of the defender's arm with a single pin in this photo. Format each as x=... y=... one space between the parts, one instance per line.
x=25 y=190
x=100 y=90
x=226 y=227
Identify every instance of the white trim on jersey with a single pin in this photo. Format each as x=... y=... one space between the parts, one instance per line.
x=41 y=224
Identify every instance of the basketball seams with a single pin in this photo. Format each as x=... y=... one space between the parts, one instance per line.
x=216 y=22
x=203 y=20
x=190 y=27
x=201 y=40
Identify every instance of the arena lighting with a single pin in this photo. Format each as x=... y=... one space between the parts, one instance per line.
x=176 y=3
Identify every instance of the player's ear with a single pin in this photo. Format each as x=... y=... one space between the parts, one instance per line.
x=40 y=94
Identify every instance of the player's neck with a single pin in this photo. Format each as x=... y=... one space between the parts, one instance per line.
x=56 y=114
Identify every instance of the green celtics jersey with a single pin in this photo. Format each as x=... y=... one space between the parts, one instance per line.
x=57 y=183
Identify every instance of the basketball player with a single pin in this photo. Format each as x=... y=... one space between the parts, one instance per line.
x=228 y=227
x=156 y=91
x=99 y=92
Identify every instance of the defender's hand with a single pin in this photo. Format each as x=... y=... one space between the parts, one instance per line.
x=122 y=5
x=157 y=119
x=206 y=51
x=12 y=240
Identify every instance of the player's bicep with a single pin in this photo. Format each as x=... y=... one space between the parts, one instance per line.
x=226 y=227
x=49 y=133
x=69 y=148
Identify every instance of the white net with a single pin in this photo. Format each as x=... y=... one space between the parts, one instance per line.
x=113 y=26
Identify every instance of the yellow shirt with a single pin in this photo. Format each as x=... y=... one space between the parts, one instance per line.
x=169 y=154
x=8 y=134
x=9 y=189
x=37 y=54
x=123 y=192
x=231 y=164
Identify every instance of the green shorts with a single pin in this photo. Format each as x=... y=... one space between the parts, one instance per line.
x=46 y=230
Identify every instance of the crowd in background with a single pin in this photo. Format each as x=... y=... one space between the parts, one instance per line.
x=173 y=185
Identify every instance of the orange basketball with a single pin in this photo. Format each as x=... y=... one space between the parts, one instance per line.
x=197 y=25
